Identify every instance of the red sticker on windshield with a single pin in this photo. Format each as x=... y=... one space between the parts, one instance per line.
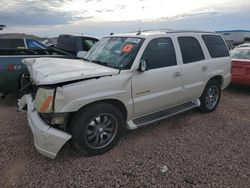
x=127 y=48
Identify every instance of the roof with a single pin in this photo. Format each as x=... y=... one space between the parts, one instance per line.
x=177 y=31
x=145 y=33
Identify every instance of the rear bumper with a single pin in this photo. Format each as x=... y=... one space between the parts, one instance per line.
x=47 y=140
x=245 y=80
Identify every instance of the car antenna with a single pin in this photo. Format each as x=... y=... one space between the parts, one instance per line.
x=139 y=32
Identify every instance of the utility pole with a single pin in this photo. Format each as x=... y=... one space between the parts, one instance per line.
x=2 y=26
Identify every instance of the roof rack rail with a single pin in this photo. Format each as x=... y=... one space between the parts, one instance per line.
x=171 y=31
x=188 y=31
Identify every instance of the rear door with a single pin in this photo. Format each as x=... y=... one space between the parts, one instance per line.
x=161 y=85
x=195 y=70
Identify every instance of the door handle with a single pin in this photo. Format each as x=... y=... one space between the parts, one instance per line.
x=204 y=68
x=177 y=74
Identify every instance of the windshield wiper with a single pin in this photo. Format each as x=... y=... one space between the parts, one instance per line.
x=106 y=64
x=100 y=62
x=85 y=59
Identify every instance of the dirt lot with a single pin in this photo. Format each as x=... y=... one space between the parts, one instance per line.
x=188 y=150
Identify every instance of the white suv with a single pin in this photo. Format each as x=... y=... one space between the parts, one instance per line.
x=124 y=81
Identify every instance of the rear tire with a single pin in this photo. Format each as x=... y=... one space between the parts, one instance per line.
x=210 y=97
x=96 y=128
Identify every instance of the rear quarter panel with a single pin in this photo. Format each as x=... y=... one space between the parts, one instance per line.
x=221 y=67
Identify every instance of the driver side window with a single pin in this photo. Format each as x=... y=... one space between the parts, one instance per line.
x=160 y=53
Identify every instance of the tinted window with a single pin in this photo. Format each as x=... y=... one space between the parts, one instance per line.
x=88 y=43
x=12 y=44
x=67 y=42
x=190 y=49
x=215 y=46
x=159 y=53
x=33 y=44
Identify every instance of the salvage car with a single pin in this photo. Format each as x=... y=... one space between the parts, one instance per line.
x=241 y=65
x=12 y=51
x=125 y=81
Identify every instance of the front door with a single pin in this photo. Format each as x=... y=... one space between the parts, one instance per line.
x=161 y=85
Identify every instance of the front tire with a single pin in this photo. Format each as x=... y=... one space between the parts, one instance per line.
x=97 y=128
x=210 y=97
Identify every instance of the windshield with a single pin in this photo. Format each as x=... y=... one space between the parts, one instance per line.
x=240 y=53
x=116 y=52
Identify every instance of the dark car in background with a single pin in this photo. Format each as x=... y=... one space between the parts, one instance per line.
x=14 y=50
x=75 y=44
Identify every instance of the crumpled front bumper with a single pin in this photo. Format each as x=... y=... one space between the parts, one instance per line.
x=47 y=140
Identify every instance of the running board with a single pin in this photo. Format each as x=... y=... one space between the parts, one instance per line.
x=163 y=114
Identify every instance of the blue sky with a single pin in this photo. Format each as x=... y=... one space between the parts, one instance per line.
x=100 y=17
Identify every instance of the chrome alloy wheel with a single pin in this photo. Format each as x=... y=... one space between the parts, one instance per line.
x=212 y=97
x=101 y=131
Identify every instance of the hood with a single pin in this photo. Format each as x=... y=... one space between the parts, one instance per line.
x=46 y=71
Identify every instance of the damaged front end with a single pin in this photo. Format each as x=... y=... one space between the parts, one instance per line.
x=48 y=128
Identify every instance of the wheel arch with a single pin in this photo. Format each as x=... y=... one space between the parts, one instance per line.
x=217 y=78
x=117 y=103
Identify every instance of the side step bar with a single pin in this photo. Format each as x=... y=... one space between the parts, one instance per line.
x=163 y=114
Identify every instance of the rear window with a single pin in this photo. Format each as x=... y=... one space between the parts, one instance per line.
x=190 y=49
x=12 y=44
x=216 y=46
x=67 y=43
x=73 y=44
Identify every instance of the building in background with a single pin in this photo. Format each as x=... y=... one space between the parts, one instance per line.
x=235 y=37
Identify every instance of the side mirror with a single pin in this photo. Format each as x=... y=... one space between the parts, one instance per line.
x=81 y=54
x=142 y=65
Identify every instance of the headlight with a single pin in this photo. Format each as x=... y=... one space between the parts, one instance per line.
x=44 y=100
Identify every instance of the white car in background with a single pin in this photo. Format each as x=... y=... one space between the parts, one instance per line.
x=247 y=44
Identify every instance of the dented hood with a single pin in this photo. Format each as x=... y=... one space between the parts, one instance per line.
x=46 y=71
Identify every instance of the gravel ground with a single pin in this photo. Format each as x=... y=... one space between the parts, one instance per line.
x=188 y=150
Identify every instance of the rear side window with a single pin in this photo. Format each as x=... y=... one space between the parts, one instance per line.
x=12 y=44
x=190 y=49
x=160 y=53
x=215 y=45
x=33 y=44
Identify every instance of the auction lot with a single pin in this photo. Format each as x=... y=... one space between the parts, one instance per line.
x=189 y=150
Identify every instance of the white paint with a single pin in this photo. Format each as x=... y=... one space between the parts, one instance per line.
x=56 y=70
